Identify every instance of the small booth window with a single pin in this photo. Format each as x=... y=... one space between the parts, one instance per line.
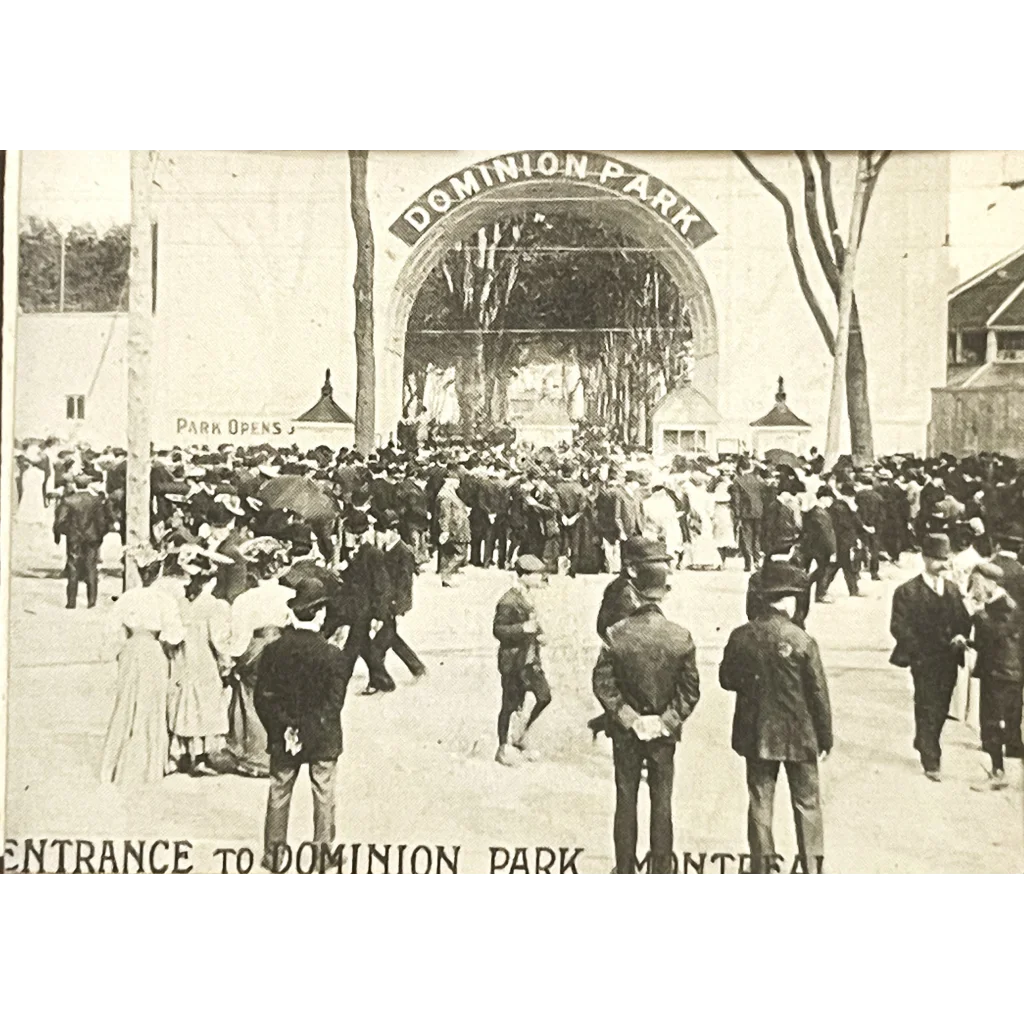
x=1010 y=346
x=76 y=407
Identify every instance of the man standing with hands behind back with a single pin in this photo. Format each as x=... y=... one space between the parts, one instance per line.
x=646 y=679
x=930 y=625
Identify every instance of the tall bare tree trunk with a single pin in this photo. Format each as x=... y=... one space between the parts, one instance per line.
x=839 y=370
x=366 y=385
x=140 y=377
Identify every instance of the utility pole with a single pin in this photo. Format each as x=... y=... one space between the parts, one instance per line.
x=837 y=407
x=140 y=343
x=366 y=386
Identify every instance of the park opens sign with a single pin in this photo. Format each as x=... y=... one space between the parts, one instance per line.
x=598 y=171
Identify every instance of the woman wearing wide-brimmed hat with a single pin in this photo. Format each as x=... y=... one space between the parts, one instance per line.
x=135 y=748
x=258 y=617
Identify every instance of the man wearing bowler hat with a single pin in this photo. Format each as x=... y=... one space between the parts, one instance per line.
x=782 y=716
x=300 y=691
x=620 y=598
x=83 y=519
x=646 y=680
x=930 y=625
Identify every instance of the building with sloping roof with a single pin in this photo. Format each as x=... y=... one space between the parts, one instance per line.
x=981 y=406
x=685 y=423
x=780 y=427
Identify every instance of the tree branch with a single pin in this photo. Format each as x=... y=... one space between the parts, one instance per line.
x=821 y=246
x=794 y=250
x=834 y=234
x=874 y=169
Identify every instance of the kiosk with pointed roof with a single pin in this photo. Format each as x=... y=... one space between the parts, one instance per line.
x=325 y=422
x=780 y=427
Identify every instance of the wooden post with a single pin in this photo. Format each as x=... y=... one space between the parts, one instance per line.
x=836 y=408
x=366 y=385
x=140 y=341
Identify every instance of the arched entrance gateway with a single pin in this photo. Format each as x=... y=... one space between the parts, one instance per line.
x=621 y=199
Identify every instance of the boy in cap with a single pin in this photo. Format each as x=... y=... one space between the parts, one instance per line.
x=930 y=625
x=646 y=680
x=520 y=637
x=782 y=716
x=999 y=641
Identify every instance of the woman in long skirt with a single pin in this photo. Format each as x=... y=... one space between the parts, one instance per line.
x=722 y=527
x=197 y=711
x=704 y=552
x=257 y=619
x=135 y=748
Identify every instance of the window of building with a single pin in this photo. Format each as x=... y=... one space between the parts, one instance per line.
x=76 y=407
x=971 y=351
x=684 y=440
x=1010 y=346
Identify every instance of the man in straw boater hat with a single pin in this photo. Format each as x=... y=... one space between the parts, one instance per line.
x=930 y=626
x=520 y=637
x=646 y=680
x=300 y=690
x=782 y=716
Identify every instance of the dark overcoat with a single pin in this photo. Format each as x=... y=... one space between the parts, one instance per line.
x=302 y=682
x=782 y=704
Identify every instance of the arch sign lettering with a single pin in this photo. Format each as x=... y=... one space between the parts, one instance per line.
x=602 y=172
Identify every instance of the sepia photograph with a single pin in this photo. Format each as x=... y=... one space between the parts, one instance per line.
x=570 y=511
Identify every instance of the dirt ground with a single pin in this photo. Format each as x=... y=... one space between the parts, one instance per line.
x=419 y=766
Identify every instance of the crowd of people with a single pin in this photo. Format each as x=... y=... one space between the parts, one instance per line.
x=248 y=545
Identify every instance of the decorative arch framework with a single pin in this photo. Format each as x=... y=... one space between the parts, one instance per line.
x=634 y=211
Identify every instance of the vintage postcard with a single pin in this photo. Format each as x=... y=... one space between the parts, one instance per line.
x=525 y=512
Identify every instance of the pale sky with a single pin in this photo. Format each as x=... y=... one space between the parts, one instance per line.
x=986 y=219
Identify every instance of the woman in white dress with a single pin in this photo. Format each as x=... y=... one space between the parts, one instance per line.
x=197 y=715
x=661 y=510
x=258 y=617
x=146 y=617
x=723 y=528
x=704 y=552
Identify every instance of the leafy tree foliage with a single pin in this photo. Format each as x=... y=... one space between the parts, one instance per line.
x=95 y=268
x=552 y=286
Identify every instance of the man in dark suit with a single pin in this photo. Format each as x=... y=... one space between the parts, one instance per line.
x=747 y=495
x=83 y=519
x=519 y=636
x=1009 y=541
x=871 y=510
x=848 y=530
x=930 y=625
x=611 y=511
x=401 y=567
x=646 y=680
x=782 y=716
x=300 y=691
x=372 y=598
x=818 y=544
x=572 y=501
